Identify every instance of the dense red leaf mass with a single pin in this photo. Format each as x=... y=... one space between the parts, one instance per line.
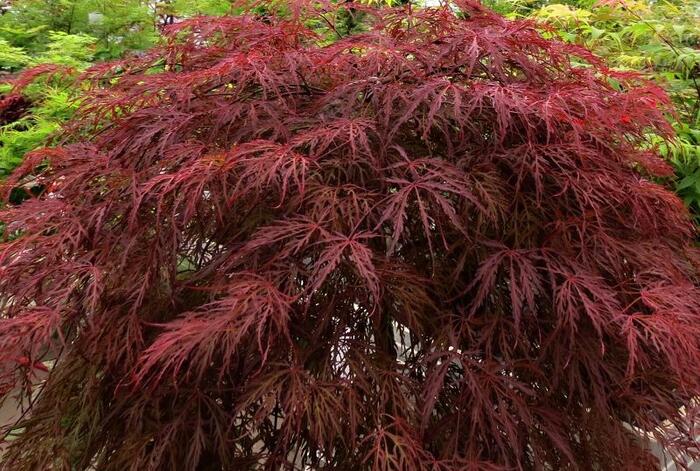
x=435 y=245
x=12 y=107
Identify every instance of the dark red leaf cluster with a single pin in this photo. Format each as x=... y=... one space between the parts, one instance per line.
x=436 y=245
x=12 y=107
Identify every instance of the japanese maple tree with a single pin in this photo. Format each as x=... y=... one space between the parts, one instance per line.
x=435 y=245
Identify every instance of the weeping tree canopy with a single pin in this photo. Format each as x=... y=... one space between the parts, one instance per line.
x=434 y=245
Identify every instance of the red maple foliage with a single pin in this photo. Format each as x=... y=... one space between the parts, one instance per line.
x=434 y=245
x=12 y=107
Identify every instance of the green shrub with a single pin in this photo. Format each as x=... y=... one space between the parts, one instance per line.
x=53 y=103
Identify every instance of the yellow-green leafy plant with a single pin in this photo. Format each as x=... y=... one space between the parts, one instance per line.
x=116 y=26
x=52 y=103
